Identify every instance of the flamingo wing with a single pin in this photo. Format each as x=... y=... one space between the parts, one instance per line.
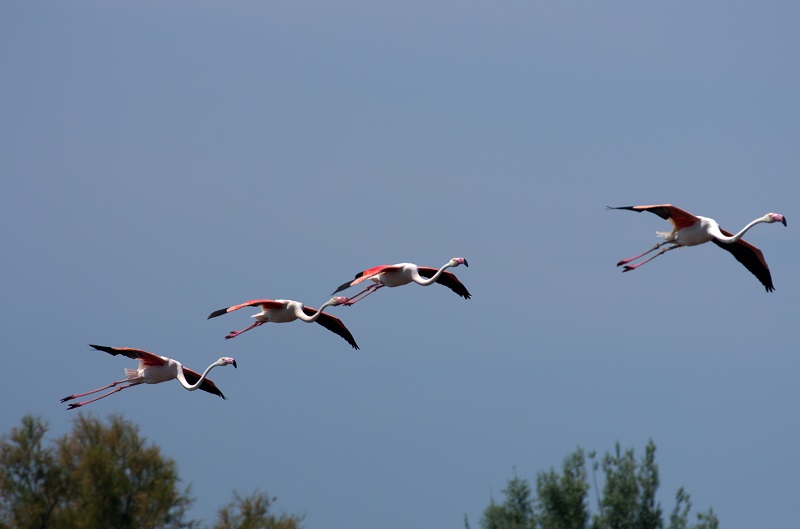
x=366 y=274
x=265 y=303
x=333 y=324
x=147 y=358
x=751 y=257
x=192 y=377
x=447 y=279
x=675 y=215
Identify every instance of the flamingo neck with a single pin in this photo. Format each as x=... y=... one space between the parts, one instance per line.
x=429 y=281
x=723 y=238
x=298 y=310
x=191 y=387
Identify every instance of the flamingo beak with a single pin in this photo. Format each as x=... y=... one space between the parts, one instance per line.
x=233 y=363
x=465 y=263
x=783 y=219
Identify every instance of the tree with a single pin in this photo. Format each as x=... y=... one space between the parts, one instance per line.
x=629 y=492
x=31 y=485
x=252 y=512
x=627 y=499
x=118 y=480
x=516 y=512
x=103 y=474
x=561 y=499
x=99 y=475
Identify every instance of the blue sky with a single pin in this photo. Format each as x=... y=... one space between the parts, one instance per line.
x=164 y=159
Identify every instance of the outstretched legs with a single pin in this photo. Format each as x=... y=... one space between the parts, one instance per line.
x=234 y=334
x=629 y=259
x=366 y=292
x=628 y=268
x=79 y=404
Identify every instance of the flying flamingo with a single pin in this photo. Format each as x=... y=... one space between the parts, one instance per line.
x=286 y=310
x=691 y=230
x=153 y=369
x=403 y=273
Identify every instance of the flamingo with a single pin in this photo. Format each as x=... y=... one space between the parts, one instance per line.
x=691 y=230
x=403 y=273
x=286 y=310
x=153 y=369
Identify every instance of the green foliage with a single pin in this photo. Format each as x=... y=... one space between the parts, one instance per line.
x=627 y=501
x=104 y=475
x=252 y=512
x=516 y=512
x=117 y=480
x=32 y=487
x=561 y=499
x=629 y=492
x=99 y=475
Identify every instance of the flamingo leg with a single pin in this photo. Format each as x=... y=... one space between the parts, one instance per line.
x=366 y=292
x=234 y=334
x=78 y=395
x=629 y=259
x=79 y=404
x=628 y=268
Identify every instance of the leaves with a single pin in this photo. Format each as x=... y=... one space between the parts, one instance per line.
x=628 y=499
x=31 y=485
x=99 y=475
x=252 y=512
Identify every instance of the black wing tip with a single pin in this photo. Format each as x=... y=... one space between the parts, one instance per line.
x=216 y=313
x=341 y=287
x=104 y=348
x=348 y=337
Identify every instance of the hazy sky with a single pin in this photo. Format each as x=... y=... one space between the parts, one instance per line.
x=161 y=160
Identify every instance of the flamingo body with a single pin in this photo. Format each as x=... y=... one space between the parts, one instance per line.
x=693 y=230
x=154 y=369
x=404 y=273
x=287 y=310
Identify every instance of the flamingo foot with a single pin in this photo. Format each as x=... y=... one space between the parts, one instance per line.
x=628 y=268
x=73 y=406
x=625 y=261
x=65 y=399
x=233 y=334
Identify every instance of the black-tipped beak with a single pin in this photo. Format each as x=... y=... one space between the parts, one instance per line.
x=234 y=364
x=784 y=221
x=466 y=263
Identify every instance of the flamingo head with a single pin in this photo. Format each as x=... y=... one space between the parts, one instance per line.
x=226 y=360
x=776 y=217
x=455 y=261
x=337 y=300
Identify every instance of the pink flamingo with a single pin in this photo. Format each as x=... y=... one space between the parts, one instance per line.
x=404 y=273
x=691 y=230
x=153 y=369
x=286 y=310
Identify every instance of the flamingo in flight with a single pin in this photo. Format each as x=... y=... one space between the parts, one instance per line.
x=691 y=230
x=404 y=273
x=153 y=369
x=286 y=310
